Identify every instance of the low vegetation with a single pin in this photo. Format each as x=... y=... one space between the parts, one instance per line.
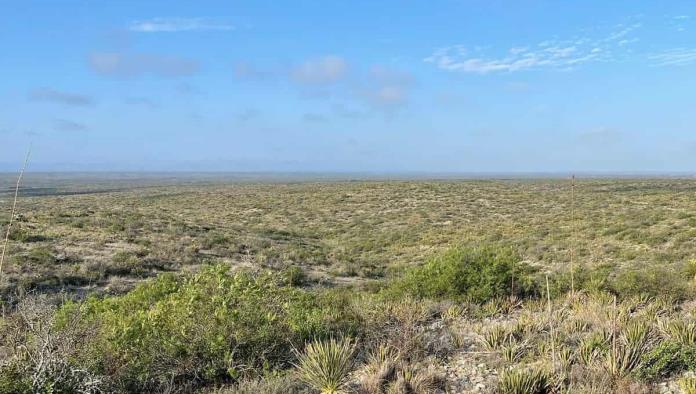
x=362 y=304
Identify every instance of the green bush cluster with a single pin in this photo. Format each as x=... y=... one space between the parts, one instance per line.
x=211 y=326
x=652 y=281
x=476 y=274
x=667 y=359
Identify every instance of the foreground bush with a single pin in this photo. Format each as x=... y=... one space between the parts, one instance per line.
x=652 y=281
x=38 y=354
x=668 y=359
x=476 y=274
x=212 y=326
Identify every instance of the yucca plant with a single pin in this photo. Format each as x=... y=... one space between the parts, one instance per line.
x=326 y=365
x=416 y=380
x=458 y=336
x=592 y=346
x=682 y=332
x=492 y=307
x=575 y=326
x=512 y=351
x=687 y=384
x=565 y=357
x=625 y=355
x=495 y=337
x=454 y=312
x=381 y=368
x=524 y=381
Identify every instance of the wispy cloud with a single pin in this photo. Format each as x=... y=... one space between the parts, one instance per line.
x=680 y=22
x=59 y=97
x=169 y=25
x=247 y=114
x=324 y=70
x=314 y=118
x=141 y=101
x=123 y=64
x=375 y=90
x=674 y=57
x=247 y=71
x=548 y=54
x=68 y=125
x=388 y=89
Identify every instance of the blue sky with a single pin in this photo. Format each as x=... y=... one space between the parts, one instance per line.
x=436 y=86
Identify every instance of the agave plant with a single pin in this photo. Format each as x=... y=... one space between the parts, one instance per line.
x=326 y=365
x=524 y=381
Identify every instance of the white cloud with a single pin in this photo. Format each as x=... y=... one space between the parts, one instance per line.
x=674 y=57
x=547 y=54
x=324 y=70
x=159 y=25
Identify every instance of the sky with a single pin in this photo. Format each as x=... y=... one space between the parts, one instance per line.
x=348 y=86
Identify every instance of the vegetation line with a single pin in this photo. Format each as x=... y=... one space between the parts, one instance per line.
x=572 y=234
x=12 y=213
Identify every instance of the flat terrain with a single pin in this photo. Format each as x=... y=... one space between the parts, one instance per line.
x=106 y=233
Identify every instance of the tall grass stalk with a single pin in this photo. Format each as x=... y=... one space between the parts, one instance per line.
x=12 y=213
x=550 y=312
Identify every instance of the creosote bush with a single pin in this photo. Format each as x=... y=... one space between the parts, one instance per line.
x=476 y=274
x=211 y=326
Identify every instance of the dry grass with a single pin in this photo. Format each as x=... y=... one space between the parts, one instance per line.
x=105 y=236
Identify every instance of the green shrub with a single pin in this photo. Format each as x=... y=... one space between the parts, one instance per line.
x=651 y=281
x=212 y=326
x=294 y=276
x=689 y=270
x=213 y=240
x=476 y=274
x=37 y=256
x=592 y=279
x=667 y=359
x=12 y=380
